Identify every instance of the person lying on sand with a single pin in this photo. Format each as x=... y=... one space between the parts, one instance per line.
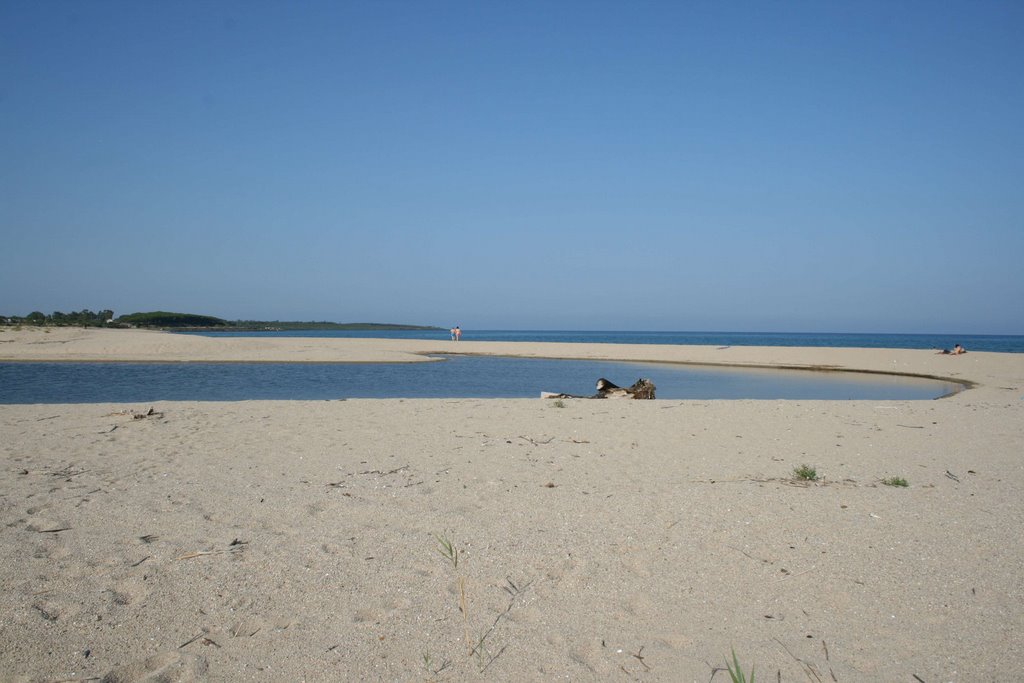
x=957 y=350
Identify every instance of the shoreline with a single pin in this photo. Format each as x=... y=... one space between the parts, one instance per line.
x=961 y=384
x=431 y=357
x=149 y=346
x=299 y=540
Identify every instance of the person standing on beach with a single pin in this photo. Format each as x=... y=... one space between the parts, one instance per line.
x=458 y=333
x=452 y=331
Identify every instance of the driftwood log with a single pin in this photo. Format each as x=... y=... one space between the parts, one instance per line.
x=641 y=389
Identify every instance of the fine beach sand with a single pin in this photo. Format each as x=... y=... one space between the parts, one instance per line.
x=596 y=540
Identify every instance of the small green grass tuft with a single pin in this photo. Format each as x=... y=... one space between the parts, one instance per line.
x=447 y=549
x=559 y=403
x=896 y=481
x=805 y=473
x=736 y=672
x=431 y=666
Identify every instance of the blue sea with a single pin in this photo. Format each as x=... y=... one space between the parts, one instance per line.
x=972 y=342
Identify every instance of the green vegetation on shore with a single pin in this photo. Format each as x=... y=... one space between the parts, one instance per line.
x=166 y=320
x=83 y=318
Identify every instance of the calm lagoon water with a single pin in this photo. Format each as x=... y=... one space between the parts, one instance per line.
x=456 y=377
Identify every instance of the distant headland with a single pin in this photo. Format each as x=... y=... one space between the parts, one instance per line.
x=187 y=321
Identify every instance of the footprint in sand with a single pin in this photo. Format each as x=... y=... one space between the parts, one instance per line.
x=593 y=656
x=529 y=615
x=636 y=605
x=52 y=610
x=634 y=560
x=45 y=525
x=568 y=573
x=166 y=667
x=674 y=641
x=240 y=603
x=51 y=551
x=129 y=591
x=383 y=612
x=246 y=628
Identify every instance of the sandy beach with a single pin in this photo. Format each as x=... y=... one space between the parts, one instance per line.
x=512 y=540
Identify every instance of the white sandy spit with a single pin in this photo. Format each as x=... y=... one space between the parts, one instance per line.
x=600 y=540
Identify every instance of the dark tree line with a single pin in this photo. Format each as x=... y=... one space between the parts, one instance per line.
x=83 y=318
x=164 y=320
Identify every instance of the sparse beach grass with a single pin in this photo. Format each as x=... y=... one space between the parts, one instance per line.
x=447 y=549
x=478 y=648
x=896 y=481
x=805 y=473
x=736 y=671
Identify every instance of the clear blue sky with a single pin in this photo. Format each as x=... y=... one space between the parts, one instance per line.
x=747 y=166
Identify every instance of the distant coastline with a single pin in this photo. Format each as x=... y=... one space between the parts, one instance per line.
x=277 y=326
x=192 y=322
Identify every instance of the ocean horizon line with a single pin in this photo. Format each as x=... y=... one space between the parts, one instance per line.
x=764 y=332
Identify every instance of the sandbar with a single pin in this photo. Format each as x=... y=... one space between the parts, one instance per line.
x=511 y=539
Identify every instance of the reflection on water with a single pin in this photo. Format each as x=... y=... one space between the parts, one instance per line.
x=456 y=377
